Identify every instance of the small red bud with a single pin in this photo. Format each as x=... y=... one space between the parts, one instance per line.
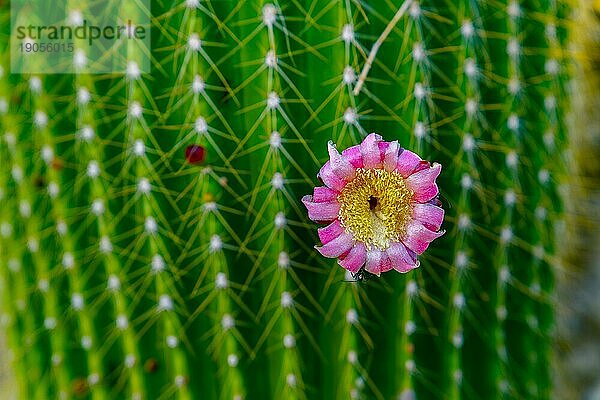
x=194 y=154
x=80 y=387
x=151 y=365
x=57 y=164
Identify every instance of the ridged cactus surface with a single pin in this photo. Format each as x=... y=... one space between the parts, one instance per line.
x=153 y=244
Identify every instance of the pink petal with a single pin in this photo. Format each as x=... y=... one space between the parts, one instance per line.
x=354 y=156
x=407 y=162
x=375 y=259
x=423 y=183
x=370 y=151
x=418 y=237
x=339 y=164
x=330 y=232
x=382 y=146
x=337 y=246
x=386 y=263
x=355 y=259
x=324 y=194
x=321 y=212
x=421 y=166
x=402 y=259
x=431 y=216
x=390 y=157
x=330 y=178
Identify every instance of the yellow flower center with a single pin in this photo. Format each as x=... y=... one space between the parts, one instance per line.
x=375 y=207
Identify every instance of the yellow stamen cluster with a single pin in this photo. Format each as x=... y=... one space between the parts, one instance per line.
x=375 y=207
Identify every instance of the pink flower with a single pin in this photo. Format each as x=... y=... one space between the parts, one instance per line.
x=380 y=206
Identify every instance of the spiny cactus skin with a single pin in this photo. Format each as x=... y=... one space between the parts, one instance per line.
x=127 y=271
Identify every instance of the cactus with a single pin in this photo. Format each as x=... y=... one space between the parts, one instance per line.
x=153 y=241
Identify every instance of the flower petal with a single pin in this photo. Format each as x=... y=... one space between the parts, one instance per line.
x=370 y=151
x=383 y=146
x=418 y=237
x=401 y=258
x=423 y=183
x=355 y=259
x=386 y=263
x=407 y=162
x=421 y=166
x=375 y=259
x=431 y=216
x=354 y=156
x=330 y=232
x=339 y=164
x=337 y=246
x=321 y=212
x=324 y=194
x=330 y=178
x=390 y=157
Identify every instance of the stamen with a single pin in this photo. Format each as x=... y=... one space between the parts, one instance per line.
x=375 y=207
